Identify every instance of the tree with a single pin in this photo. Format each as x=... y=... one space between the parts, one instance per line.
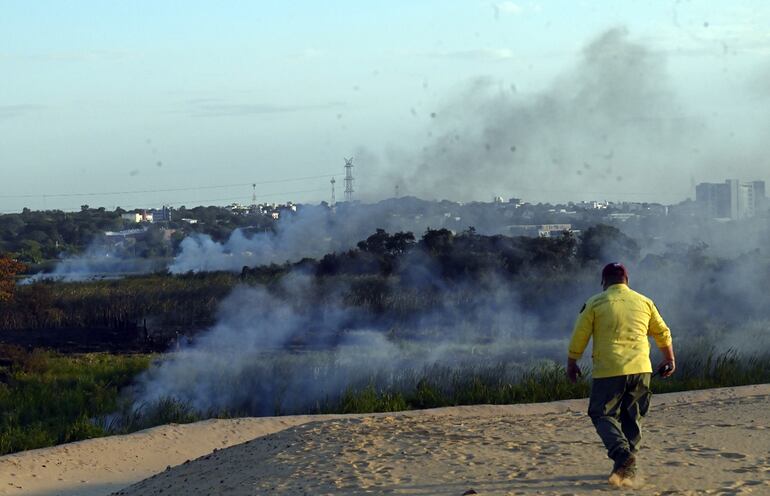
x=375 y=243
x=438 y=241
x=381 y=243
x=9 y=268
x=605 y=243
x=399 y=243
x=31 y=251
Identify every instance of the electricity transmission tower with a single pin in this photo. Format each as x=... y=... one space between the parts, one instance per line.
x=349 y=179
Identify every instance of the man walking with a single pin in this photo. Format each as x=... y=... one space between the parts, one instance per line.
x=619 y=321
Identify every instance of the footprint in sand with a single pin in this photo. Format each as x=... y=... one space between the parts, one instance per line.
x=745 y=470
x=738 y=486
x=732 y=456
x=520 y=474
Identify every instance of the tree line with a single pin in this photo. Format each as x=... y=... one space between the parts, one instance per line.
x=369 y=273
x=33 y=237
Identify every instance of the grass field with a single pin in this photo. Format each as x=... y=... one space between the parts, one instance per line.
x=48 y=399
x=699 y=367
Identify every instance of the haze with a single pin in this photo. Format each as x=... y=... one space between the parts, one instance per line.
x=106 y=103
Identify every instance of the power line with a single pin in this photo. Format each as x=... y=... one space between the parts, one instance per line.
x=199 y=202
x=236 y=198
x=165 y=190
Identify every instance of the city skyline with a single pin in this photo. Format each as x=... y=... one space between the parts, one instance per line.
x=468 y=95
x=715 y=197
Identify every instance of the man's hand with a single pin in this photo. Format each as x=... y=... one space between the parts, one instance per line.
x=667 y=366
x=573 y=371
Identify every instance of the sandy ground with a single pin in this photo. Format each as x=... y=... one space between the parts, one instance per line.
x=704 y=442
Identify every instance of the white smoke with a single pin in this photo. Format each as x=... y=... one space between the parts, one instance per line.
x=304 y=234
x=96 y=262
x=273 y=352
x=313 y=231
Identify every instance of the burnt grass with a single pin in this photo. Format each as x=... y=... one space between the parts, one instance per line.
x=391 y=279
x=148 y=312
x=68 y=349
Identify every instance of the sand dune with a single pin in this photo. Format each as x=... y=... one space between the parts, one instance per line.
x=705 y=442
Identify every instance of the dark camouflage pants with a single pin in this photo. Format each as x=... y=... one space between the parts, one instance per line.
x=616 y=408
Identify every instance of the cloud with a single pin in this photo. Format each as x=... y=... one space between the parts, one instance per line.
x=482 y=54
x=218 y=108
x=81 y=56
x=9 y=111
x=507 y=8
x=307 y=53
x=740 y=32
x=759 y=84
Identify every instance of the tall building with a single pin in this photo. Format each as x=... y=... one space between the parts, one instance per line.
x=714 y=199
x=732 y=199
x=759 y=197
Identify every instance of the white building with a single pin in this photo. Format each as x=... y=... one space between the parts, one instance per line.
x=732 y=199
x=137 y=217
x=748 y=198
x=622 y=216
x=540 y=230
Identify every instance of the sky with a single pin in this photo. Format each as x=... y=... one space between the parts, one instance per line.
x=143 y=103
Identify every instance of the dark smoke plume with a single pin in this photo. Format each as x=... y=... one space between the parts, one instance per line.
x=610 y=127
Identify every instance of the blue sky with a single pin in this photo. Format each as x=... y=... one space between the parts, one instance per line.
x=109 y=97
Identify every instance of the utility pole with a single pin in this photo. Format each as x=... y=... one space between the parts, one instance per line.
x=349 y=179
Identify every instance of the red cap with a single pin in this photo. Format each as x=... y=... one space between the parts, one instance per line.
x=614 y=271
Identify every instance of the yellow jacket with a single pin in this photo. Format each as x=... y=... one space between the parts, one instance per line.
x=619 y=319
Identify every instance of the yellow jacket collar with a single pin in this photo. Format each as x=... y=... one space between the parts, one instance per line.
x=618 y=287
